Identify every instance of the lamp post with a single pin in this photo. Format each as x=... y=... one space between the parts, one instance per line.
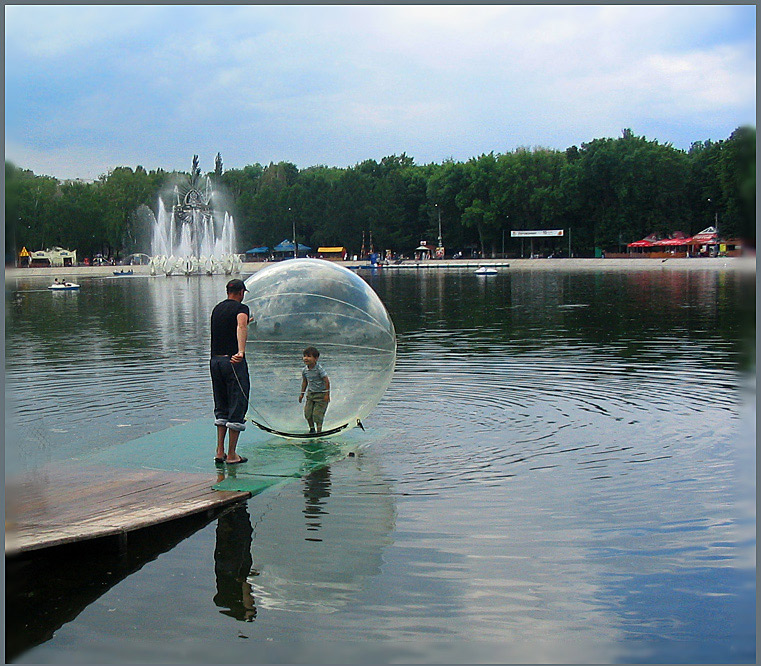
x=507 y=217
x=715 y=251
x=439 y=209
x=715 y=218
x=440 y=246
x=295 y=245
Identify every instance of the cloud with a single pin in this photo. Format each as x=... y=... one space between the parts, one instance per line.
x=51 y=31
x=337 y=84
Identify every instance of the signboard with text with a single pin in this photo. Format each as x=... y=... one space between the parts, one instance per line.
x=541 y=233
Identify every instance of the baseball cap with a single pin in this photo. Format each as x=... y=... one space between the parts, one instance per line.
x=236 y=285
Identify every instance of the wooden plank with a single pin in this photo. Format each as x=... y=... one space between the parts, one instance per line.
x=70 y=504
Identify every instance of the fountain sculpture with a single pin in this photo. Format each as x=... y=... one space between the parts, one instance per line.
x=192 y=237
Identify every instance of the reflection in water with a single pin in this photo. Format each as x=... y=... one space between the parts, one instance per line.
x=317 y=564
x=233 y=564
x=320 y=564
x=316 y=490
x=46 y=590
x=555 y=369
x=561 y=470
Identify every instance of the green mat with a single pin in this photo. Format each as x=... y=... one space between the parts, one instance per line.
x=277 y=460
x=190 y=447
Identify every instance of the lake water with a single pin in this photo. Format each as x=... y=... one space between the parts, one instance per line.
x=562 y=470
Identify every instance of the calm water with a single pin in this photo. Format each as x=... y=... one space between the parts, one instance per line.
x=563 y=470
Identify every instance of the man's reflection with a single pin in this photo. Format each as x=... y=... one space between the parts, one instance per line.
x=233 y=564
x=316 y=489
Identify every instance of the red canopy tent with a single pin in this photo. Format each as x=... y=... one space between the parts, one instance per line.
x=673 y=242
x=678 y=239
x=708 y=236
x=647 y=241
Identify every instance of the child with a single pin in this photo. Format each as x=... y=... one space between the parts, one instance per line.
x=315 y=382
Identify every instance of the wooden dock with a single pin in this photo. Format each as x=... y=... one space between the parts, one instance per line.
x=69 y=504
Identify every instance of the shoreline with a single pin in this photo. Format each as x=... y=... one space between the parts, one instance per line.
x=742 y=264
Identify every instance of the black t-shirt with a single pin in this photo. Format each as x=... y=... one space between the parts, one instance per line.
x=224 y=327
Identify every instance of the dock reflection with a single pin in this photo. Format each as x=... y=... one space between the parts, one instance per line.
x=46 y=590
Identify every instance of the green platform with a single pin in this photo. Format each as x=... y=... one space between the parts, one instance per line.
x=190 y=447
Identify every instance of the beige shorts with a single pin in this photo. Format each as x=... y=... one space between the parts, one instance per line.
x=314 y=407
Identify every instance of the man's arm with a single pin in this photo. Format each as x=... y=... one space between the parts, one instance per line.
x=327 y=389
x=242 y=335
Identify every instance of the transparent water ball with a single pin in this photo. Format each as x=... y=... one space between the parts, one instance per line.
x=301 y=303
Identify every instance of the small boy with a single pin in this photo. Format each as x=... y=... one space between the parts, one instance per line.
x=315 y=382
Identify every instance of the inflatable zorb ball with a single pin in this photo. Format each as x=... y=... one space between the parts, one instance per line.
x=301 y=303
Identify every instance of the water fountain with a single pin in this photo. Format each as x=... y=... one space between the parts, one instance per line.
x=191 y=237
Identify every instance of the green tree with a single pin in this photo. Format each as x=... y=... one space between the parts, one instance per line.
x=627 y=188
x=737 y=176
x=528 y=193
x=30 y=208
x=476 y=201
x=606 y=193
x=703 y=186
x=80 y=218
x=444 y=183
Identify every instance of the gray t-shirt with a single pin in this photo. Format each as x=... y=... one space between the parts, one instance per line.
x=315 y=378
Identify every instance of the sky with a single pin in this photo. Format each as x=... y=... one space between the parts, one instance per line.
x=92 y=87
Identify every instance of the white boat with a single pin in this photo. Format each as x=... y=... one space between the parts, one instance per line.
x=63 y=286
x=486 y=270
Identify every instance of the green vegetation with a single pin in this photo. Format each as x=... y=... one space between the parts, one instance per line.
x=608 y=192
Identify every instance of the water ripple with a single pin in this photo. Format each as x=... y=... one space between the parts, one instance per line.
x=538 y=410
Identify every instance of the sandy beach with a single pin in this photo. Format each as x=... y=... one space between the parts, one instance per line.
x=744 y=264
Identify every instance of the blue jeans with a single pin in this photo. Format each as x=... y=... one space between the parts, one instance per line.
x=231 y=386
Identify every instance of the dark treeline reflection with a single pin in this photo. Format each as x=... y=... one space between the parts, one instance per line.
x=624 y=312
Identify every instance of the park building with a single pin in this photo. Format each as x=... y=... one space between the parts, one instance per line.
x=52 y=257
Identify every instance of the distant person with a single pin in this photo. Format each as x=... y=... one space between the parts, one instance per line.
x=229 y=370
x=315 y=384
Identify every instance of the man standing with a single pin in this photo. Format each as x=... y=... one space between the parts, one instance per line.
x=229 y=371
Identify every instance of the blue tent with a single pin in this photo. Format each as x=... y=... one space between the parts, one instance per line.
x=258 y=250
x=287 y=246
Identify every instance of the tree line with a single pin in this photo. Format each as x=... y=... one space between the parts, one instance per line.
x=605 y=193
